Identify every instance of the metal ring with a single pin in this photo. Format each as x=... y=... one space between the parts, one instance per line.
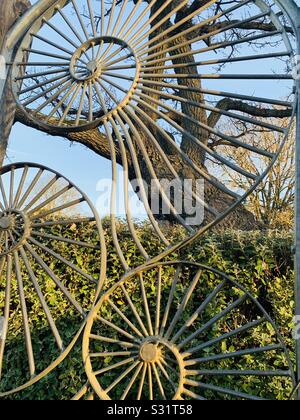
x=179 y=330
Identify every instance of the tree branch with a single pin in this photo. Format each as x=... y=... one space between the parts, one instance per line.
x=228 y=104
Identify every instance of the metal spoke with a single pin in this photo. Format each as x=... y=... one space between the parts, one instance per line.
x=64 y=222
x=27 y=333
x=227 y=114
x=220 y=372
x=11 y=190
x=153 y=17
x=131 y=383
x=19 y=201
x=233 y=355
x=115 y=366
x=46 y=54
x=4 y=196
x=41 y=74
x=167 y=376
x=55 y=279
x=119 y=330
x=113 y=197
x=226 y=391
x=207 y=149
x=44 y=83
x=71 y=102
x=42 y=300
x=91 y=104
x=80 y=108
x=131 y=304
x=28 y=268
x=59 y=32
x=158 y=301
x=211 y=92
x=198 y=312
x=113 y=354
x=131 y=15
x=183 y=305
x=62 y=259
x=127 y=321
x=212 y=321
x=66 y=240
x=230 y=334
x=142 y=382
x=50 y=200
x=170 y=300
x=40 y=194
x=61 y=103
x=213 y=47
x=126 y=190
x=124 y=344
x=159 y=383
x=153 y=139
x=194 y=29
x=6 y=313
x=63 y=84
x=188 y=160
x=121 y=377
x=150 y=167
x=193 y=395
x=141 y=185
x=150 y=382
x=281 y=54
x=59 y=209
x=146 y=305
x=120 y=17
x=92 y=18
x=79 y=17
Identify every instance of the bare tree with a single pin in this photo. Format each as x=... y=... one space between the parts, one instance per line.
x=273 y=202
x=191 y=91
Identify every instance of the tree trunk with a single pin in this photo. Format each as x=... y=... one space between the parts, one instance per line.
x=10 y=11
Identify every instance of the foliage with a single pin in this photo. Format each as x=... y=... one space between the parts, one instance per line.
x=261 y=262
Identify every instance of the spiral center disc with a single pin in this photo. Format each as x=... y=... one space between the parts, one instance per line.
x=93 y=66
x=6 y=223
x=149 y=353
x=102 y=54
x=13 y=230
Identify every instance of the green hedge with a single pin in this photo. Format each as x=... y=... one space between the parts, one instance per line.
x=262 y=262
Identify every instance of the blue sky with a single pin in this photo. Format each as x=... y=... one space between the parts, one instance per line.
x=79 y=164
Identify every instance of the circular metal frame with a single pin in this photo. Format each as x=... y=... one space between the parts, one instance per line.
x=120 y=122
x=35 y=225
x=167 y=341
x=81 y=79
x=142 y=115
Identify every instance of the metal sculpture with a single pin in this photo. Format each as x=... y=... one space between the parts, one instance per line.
x=76 y=66
x=170 y=346
x=33 y=200
x=81 y=73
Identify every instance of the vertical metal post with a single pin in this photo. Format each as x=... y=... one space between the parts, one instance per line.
x=297 y=228
x=293 y=11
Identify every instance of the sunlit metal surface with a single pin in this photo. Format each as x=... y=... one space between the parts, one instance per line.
x=153 y=76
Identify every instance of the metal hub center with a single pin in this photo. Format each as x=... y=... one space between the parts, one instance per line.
x=6 y=222
x=93 y=66
x=149 y=353
x=94 y=55
x=14 y=228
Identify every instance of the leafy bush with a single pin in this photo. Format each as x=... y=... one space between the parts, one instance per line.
x=261 y=262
